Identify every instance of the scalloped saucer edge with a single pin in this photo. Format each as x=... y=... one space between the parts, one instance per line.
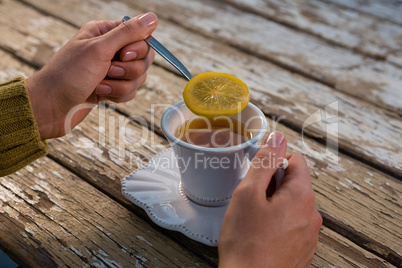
x=156 y=189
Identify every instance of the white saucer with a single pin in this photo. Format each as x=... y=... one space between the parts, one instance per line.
x=156 y=189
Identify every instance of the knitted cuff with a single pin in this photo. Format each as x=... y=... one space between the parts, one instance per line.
x=20 y=142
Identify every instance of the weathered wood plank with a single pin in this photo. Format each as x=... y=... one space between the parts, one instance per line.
x=390 y=10
x=10 y=67
x=362 y=127
x=341 y=26
x=51 y=218
x=333 y=248
x=26 y=40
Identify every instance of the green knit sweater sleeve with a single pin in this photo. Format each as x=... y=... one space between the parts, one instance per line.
x=20 y=142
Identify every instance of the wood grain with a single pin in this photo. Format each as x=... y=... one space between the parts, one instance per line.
x=10 y=67
x=362 y=33
x=389 y=10
x=52 y=218
x=335 y=249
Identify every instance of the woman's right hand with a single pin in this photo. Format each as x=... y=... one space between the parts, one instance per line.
x=277 y=231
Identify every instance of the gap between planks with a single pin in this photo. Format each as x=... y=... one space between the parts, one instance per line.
x=53 y=203
x=351 y=4
x=362 y=52
x=47 y=13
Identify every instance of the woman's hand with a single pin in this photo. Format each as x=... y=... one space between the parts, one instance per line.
x=277 y=231
x=104 y=60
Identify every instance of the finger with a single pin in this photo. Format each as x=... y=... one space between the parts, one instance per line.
x=96 y=28
x=132 y=69
x=131 y=31
x=123 y=99
x=297 y=173
x=134 y=51
x=120 y=90
x=267 y=160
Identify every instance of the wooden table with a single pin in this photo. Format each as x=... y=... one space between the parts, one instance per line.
x=328 y=74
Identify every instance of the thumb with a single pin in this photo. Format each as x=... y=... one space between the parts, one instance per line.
x=131 y=31
x=267 y=160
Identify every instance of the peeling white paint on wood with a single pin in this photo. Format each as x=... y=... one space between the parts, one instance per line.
x=81 y=226
x=368 y=181
x=144 y=240
x=349 y=28
x=388 y=10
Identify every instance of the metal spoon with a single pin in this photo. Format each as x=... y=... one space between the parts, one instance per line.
x=166 y=54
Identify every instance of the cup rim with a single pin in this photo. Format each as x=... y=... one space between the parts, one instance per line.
x=243 y=145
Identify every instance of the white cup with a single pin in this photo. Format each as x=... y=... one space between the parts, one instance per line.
x=210 y=175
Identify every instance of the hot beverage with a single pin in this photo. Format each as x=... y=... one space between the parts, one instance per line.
x=213 y=132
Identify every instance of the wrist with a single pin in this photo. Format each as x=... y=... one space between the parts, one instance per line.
x=41 y=107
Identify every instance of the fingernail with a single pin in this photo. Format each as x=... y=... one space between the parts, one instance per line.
x=103 y=90
x=115 y=71
x=131 y=55
x=275 y=139
x=148 y=19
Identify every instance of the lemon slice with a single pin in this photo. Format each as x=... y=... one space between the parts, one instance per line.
x=214 y=94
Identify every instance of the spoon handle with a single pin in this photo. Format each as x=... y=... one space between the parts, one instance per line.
x=166 y=54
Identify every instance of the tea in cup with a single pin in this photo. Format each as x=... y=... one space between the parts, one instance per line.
x=213 y=155
x=214 y=132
